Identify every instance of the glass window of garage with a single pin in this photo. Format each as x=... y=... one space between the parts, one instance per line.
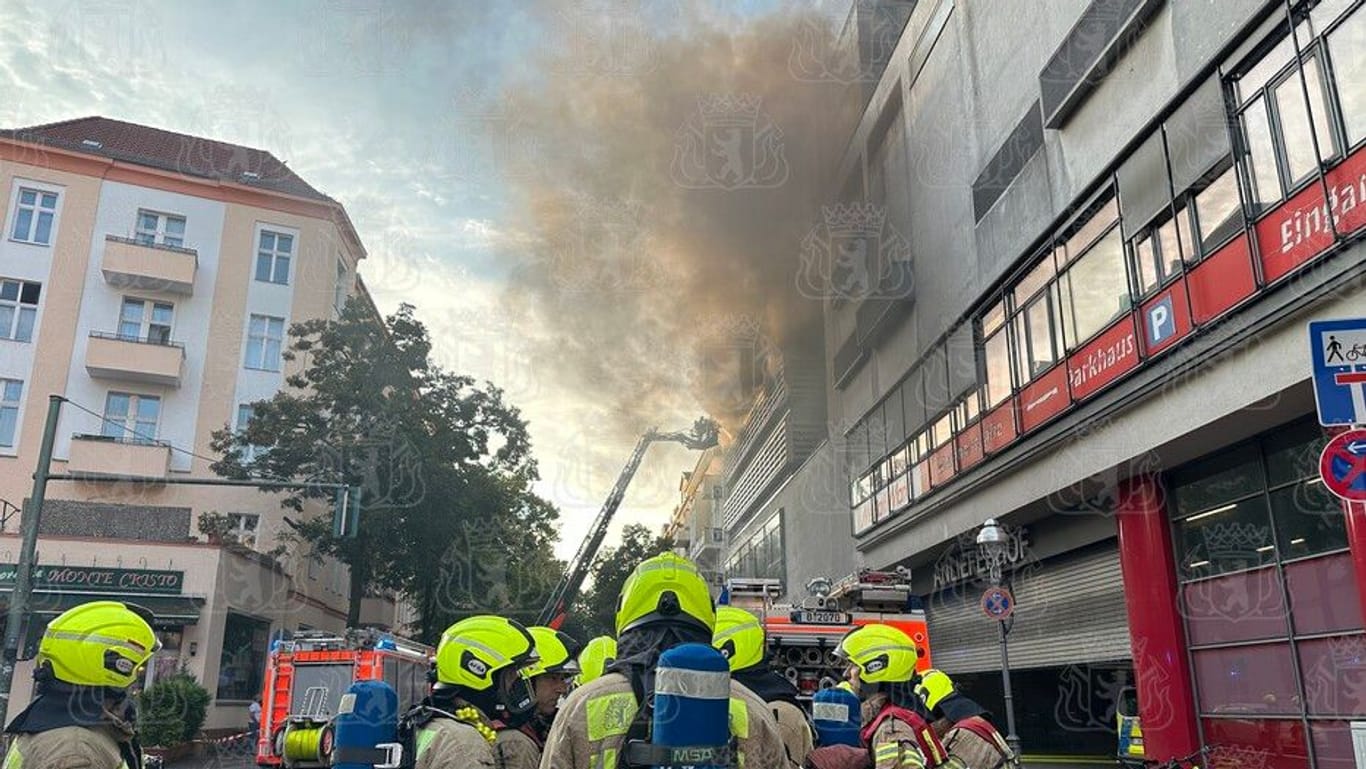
x=1285 y=107
x=994 y=354
x=1037 y=319
x=1095 y=286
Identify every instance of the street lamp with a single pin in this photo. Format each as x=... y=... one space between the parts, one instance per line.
x=993 y=542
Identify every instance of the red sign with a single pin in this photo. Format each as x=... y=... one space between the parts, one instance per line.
x=1044 y=399
x=1343 y=465
x=1107 y=358
x=1300 y=230
x=941 y=465
x=969 y=446
x=899 y=493
x=1221 y=281
x=998 y=603
x=998 y=427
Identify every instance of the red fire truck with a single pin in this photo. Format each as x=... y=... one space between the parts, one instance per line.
x=306 y=676
x=802 y=637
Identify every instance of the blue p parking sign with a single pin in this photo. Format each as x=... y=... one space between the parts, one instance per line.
x=1338 y=351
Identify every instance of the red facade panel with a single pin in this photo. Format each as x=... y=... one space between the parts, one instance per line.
x=969 y=446
x=1045 y=398
x=1221 y=281
x=1108 y=357
x=998 y=427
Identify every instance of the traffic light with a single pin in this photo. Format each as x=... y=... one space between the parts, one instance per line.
x=346 y=512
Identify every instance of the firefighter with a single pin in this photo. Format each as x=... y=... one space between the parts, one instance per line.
x=520 y=740
x=82 y=715
x=740 y=637
x=896 y=726
x=597 y=654
x=478 y=681
x=968 y=737
x=664 y=603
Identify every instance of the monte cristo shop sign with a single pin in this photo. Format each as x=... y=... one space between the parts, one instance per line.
x=97 y=579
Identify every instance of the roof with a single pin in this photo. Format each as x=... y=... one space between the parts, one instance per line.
x=169 y=151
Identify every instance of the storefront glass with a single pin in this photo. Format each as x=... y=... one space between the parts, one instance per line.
x=1270 y=602
x=242 y=665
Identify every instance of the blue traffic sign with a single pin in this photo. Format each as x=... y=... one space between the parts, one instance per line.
x=1338 y=350
x=998 y=603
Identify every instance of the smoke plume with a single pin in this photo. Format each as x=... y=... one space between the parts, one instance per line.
x=676 y=161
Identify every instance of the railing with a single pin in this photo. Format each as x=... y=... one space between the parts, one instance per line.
x=156 y=246
x=136 y=339
x=126 y=441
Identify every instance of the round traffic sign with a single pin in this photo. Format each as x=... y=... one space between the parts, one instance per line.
x=1343 y=465
x=998 y=603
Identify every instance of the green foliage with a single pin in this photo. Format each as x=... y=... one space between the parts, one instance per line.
x=172 y=710
x=444 y=466
x=595 y=611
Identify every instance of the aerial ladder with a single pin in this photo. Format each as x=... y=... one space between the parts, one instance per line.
x=703 y=435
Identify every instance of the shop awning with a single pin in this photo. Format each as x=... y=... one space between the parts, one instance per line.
x=169 y=610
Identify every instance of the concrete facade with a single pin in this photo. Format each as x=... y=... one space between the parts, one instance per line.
x=987 y=183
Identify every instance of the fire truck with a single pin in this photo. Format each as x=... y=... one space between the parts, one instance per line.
x=306 y=676
x=802 y=637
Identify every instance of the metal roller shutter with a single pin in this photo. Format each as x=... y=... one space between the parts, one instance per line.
x=1070 y=610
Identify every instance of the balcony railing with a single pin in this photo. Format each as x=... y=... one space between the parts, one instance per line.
x=127 y=457
x=134 y=359
x=129 y=263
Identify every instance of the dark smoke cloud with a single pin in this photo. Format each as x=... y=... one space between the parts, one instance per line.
x=665 y=276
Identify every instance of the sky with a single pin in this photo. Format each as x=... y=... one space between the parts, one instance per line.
x=401 y=111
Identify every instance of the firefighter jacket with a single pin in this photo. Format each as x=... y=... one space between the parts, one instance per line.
x=591 y=728
x=445 y=743
x=515 y=749
x=973 y=743
x=795 y=729
x=67 y=747
x=898 y=738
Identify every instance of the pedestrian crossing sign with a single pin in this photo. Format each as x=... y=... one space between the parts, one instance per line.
x=1338 y=351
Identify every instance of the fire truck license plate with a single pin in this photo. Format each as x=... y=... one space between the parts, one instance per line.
x=821 y=617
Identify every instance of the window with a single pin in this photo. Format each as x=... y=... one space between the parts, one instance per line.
x=144 y=320
x=244 y=527
x=995 y=356
x=18 y=309
x=1038 y=333
x=244 y=414
x=1349 y=73
x=339 y=291
x=11 y=395
x=243 y=662
x=1275 y=117
x=165 y=229
x=1095 y=289
x=1158 y=253
x=131 y=417
x=1218 y=211
x=265 y=335
x=33 y=216
x=272 y=257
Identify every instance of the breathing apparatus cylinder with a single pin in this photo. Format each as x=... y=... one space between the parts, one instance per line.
x=367 y=727
x=835 y=713
x=692 y=704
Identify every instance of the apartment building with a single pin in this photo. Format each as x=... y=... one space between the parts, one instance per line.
x=150 y=278
x=1095 y=232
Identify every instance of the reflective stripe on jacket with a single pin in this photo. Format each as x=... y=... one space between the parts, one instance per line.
x=591 y=727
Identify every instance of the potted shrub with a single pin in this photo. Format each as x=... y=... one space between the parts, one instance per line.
x=170 y=714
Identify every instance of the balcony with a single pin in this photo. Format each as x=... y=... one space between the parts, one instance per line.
x=128 y=263
x=134 y=359
x=102 y=455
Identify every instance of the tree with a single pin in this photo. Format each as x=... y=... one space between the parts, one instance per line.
x=595 y=611
x=436 y=456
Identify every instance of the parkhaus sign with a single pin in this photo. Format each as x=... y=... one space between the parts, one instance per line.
x=98 y=579
x=970 y=562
